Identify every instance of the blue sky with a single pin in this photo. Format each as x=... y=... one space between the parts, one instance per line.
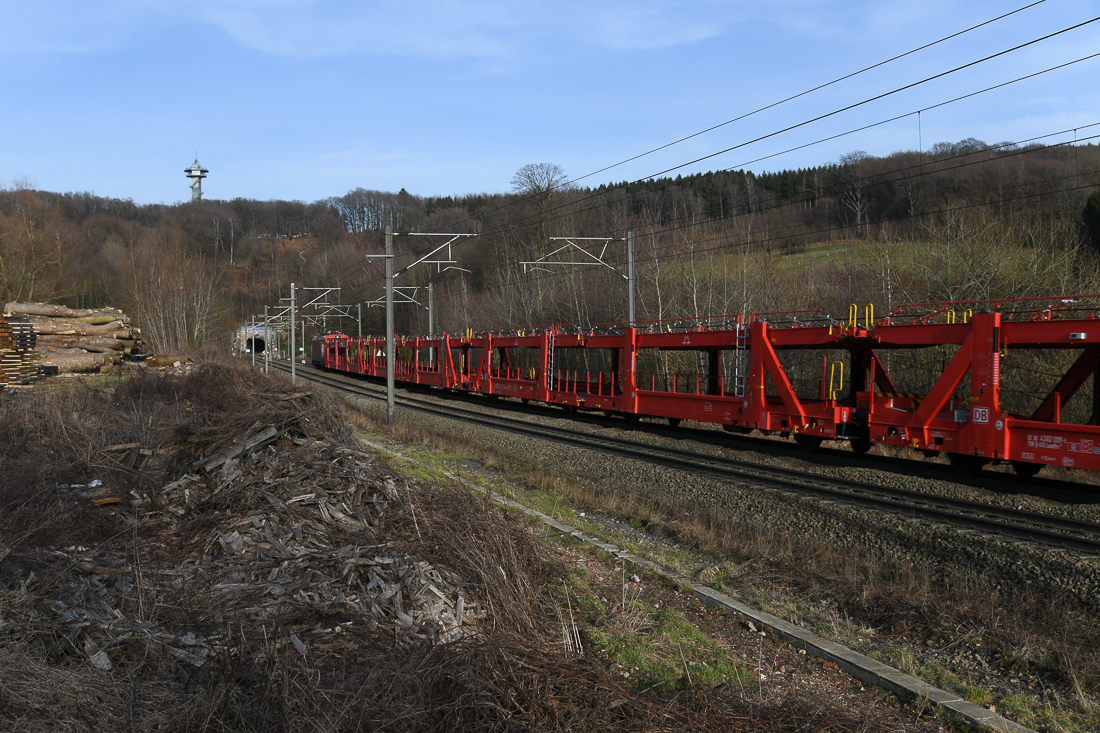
x=305 y=99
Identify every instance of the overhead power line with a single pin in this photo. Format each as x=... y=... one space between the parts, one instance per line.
x=919 y=111
x=574 y=212
x=443 y=296
x=783 y=101
x=783 y=233
x=808 y=91
x=921 y=169
x=818 y=118
x=875 y=98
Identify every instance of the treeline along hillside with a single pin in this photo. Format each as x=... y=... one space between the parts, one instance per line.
x=963 y=221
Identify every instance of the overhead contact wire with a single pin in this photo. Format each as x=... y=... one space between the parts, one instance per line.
x=780 y=102
x=836 y=112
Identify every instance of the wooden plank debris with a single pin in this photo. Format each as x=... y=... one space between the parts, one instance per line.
x=262 y=438
x=314 y=535
x=298 y=529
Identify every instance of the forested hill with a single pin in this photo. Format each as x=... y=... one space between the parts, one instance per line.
x=705 y=242
x=899 y=186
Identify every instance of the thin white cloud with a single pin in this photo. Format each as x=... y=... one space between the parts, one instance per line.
x=449 y=29
x=304 y=28
x=61 y=26
x=478 y=29
x=654 y=24
x=448 y=26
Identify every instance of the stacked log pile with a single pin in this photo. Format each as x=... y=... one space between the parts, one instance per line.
x=79 y=339
x=18 y=367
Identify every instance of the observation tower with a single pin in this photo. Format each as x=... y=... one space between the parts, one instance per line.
x=196 y=173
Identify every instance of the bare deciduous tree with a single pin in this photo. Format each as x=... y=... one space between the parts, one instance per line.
x=539 y=179
x=35 y=245
x=857 y=167
x=175 y=292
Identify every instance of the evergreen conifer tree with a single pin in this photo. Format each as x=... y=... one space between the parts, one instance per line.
x=1091 y=216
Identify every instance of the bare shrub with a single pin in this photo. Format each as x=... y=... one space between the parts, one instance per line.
x=174 y=292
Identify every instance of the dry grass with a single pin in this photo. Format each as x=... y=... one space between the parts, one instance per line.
x=515 y=675
x=1049 y=635
x=1045 y=634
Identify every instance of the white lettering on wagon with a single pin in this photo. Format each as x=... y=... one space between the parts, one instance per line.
x=1045 y=442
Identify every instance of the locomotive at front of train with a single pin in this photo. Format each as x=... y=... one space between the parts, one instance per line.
x=332 y=351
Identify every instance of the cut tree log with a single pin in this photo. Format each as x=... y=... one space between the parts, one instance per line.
x=64 y=312
x=88 y=343
x=42 y=309
x=95 y=319
x=113 y=329
x=73 y=339
x=75 y=360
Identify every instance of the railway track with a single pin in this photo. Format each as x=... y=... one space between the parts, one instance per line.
x=1066 y=492
x=1021 y=525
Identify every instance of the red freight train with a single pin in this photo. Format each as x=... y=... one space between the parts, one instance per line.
x=980 y=382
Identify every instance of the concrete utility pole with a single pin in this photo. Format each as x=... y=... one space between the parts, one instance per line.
x=267 y=346
x=391 y=346
x=389 y=328
x=359 y=318
x=431 y=324
x=252 y=340
x=431 y=309
x=630 y=279
x=293 y=376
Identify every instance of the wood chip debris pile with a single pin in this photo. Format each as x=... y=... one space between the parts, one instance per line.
x=309 y=526
x=78 y=339
x=290 y=546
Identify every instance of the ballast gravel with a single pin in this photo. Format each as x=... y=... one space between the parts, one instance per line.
x=1012 y=566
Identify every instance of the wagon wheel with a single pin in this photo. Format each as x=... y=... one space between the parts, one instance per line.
x=1027 y=469
x=965 y=463
x=808 y=443
x=860 y=445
